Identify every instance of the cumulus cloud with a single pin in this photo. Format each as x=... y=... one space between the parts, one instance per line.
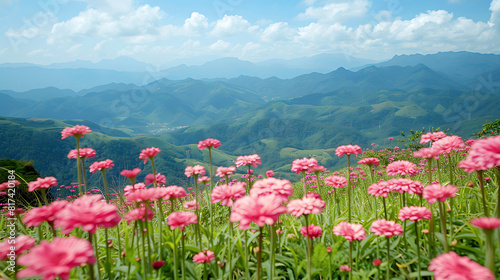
x=337 y=12
x=195 y=24
x=97 y=23
x=279 y=31
x=230 y=25
x=220 y=45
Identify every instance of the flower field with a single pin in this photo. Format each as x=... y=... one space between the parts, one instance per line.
x=432 y=213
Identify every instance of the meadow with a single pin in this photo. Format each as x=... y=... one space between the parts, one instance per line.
x=395 y=213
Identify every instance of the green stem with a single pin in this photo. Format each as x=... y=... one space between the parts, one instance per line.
x=349 y=184
x=350 y=260
x=91 y=266
x=418 y=249
x=106 y=195
x=197 y=211
x=443 y=226
x=272 y=233
x=84 y=175
x=309 y=255
x=452 y=182
x=490 y=251
x=144 y=268
x=108 y=253
x=79 y=172
x=388 y=258
x=247 y=273
x=385 y=208
x=304 y=185
x=230 y=252
x=183 y=256
x=209 y=201
x=172 y=202
x=481 y=185
x=118 y=237
x=259 y=256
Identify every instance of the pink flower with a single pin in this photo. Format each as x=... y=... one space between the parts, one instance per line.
x=486 y=152
x=305 y=206
x=84 y=153
x=487 y=223
x=377 y=262
x=130 y=189
x=437 y=192
x=281 y=188
x=414 y=213
x=100 y=165
x=406 y=185
x=21 y=244
x=88 y=212
x=371 y=161
x=181 y=219
x=314 y=231
x=139 y=214
x=304 y=165
x=345 y=268
x=226 y=194
x=204 y=257
x=160 y=179
x=336 y=181
x=427 y=153
x=149 y=153
x=269 y=173
x=191 y=205
x=144 y=195
x=348 y=150
x=452 y=266
x=470 y=166
x=251 y=160
x=223 y=171
x=470 y=142
x=194 y=170
x=261 y=210
x=381 y=188
x=203 y=180
x=131 y=174
x=208 y=143
x=432 y=136
x=57 y=258
x=386 y=228
x=350 y=231
x=5 y=185
x=77 y=131
x=42 y=183
x=401 y=167
x=172 y=191
x=448 y=144
x=157 y=264
x=47 y=213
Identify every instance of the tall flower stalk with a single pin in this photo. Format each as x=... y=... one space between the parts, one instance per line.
x=77 y=131
x=348 y=150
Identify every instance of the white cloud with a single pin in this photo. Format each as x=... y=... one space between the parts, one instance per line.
x=495 y=14
x=99 y=45
x=96 y=23
x=37 y=52
x=195 y=24
x=74 y=48
x=230 y=25
x=220 y=45
x=339 y=11
x=111 y=6
x=279 y=31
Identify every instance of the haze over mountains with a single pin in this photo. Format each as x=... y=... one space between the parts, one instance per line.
x=278 y=118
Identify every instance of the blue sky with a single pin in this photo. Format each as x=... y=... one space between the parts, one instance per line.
x=167 y=32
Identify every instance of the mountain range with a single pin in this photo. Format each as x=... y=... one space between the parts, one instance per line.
x=279 y=119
